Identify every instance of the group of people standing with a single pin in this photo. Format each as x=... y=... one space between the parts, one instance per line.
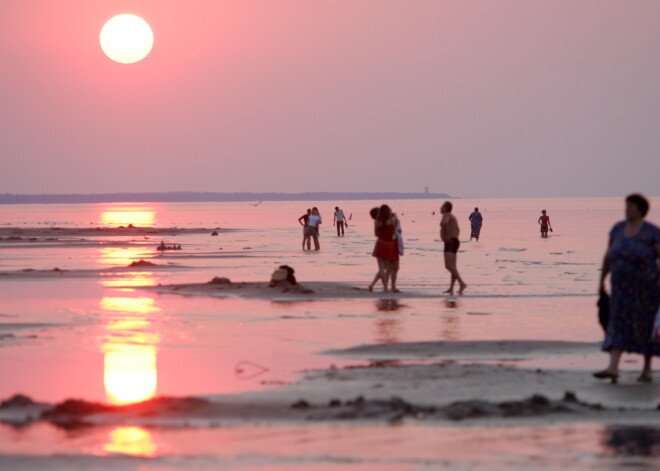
x=389 y=247
x=632 y=260
x=311 y=220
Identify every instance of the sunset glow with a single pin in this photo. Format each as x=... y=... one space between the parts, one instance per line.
x=129 y=366
x=126 y=39
x=130 y=374
x=125 y=215
x=134 y=441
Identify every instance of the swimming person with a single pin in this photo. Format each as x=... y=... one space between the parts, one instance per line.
x=449 y=232
x=476 y=219
x=304 y=222
x=632 y=262
x=544 y=221
x=339 y=220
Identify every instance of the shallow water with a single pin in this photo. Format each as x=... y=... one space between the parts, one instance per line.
x=101 y=339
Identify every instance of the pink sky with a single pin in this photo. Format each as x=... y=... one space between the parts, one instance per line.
x=477 y=99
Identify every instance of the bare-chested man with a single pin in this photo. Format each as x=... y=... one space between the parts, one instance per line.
x=449 y=234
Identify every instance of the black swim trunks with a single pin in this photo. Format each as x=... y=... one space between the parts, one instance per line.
x=452 y=245
x=544 y=228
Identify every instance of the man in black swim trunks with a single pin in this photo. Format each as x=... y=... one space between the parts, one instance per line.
x=449 y=234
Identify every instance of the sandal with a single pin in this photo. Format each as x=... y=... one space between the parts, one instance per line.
x=606 y=374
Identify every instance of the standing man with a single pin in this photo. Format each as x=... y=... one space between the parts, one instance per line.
x=476 y=219
x=449 y=234
x=339 y=220
x=544 y=221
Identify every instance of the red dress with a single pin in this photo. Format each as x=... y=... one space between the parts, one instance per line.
x=386 y=245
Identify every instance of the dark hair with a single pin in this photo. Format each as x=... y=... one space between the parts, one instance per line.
x=374 y=213
x=476 y=209
x=448 y=205
x=543 y=211
x=384 y=214
x=639 y=201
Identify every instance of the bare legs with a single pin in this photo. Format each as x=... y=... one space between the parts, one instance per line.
x=395 y=271
x=315 y=236
x=646 y=376
x=612 y=370
x=384 y=273
x=450 y=265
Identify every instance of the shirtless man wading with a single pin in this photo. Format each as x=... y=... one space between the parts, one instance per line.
x=449 y=234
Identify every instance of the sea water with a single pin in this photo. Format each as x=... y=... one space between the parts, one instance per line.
x=102 y=338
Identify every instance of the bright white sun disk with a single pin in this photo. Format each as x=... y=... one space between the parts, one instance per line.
x=126 y=38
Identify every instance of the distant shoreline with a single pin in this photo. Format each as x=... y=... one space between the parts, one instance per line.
x=207 y=197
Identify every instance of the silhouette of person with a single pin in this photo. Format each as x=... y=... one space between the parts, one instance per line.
x=476 y=219
x=386 y=250
x=632 y=261
x=304 y=222
x=339 y=220
x=544 y=221
x=314 y=222
x=449 y=232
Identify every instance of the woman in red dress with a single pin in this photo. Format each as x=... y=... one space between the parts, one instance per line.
x=387 y=248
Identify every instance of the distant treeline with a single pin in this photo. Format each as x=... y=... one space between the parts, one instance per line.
x=194 y=196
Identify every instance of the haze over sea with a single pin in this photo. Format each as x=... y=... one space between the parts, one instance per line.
x=100 y=338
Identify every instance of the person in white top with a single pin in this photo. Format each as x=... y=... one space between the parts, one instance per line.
x=339 y=220
x=313 y=223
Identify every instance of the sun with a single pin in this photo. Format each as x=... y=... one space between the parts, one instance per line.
x=126 y=38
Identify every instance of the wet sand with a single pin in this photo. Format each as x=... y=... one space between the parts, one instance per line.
x=390 y=392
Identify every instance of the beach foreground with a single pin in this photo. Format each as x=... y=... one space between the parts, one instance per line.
x=123 y=355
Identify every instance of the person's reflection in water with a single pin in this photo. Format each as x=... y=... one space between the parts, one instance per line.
x=635 y=440
x=388 y=328
x=451 y=328
x=387 y=305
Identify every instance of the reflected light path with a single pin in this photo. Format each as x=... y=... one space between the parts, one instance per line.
x=134 y=441
x=129 y=366
x=124 y=215
x=123 y=257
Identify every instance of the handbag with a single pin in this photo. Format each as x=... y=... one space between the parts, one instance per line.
x=384 y=249
x=655 y=335
x=604 y=310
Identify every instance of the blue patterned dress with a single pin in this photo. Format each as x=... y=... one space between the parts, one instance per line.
x=475 y=224
x=635 y=291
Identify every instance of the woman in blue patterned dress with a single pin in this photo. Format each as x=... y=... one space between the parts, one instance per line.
x=475 y=224
x=632 y=261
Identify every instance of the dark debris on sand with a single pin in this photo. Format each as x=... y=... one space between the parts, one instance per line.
x=21 y=410
x=397 y=409
x=141 y=263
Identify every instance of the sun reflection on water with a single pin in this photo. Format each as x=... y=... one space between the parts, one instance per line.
x=135 y=441
x=122 y=256
x=124 y=215
x=130 y=371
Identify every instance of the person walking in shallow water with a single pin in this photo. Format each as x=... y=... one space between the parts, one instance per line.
x=476 y=219
x=339 y=220
x=631 y=261
x=544 y=221
x=449 y=232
